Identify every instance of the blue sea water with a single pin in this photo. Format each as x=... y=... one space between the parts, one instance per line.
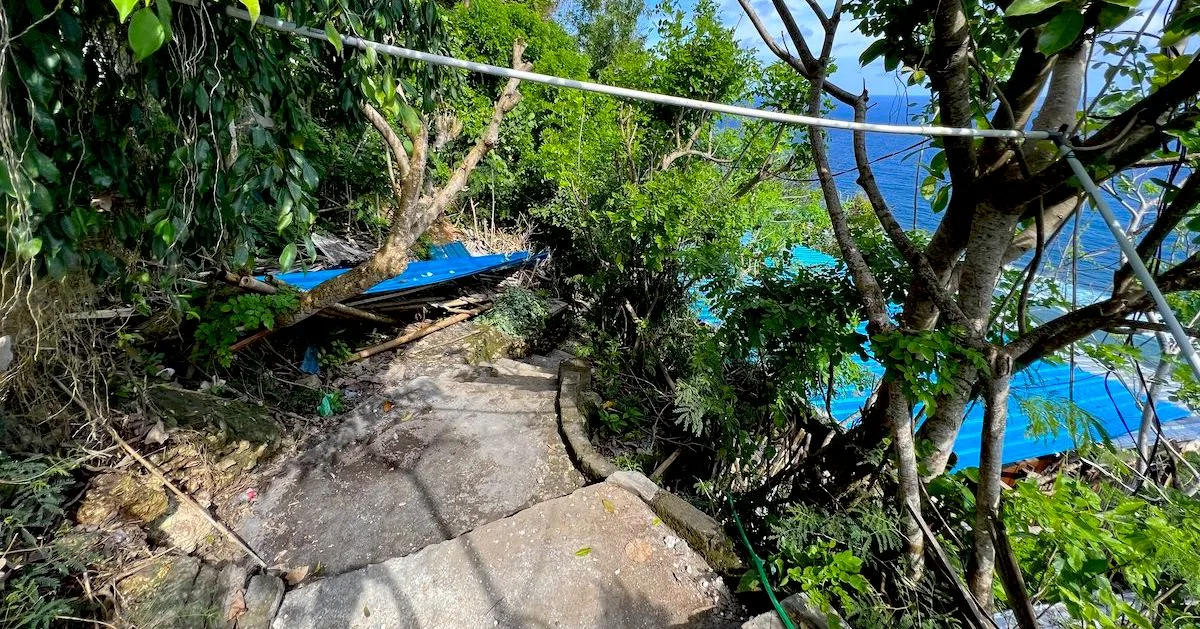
x=1111 y=408
x=899 y=174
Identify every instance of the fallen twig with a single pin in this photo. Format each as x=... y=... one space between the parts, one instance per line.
x=662 y=467
x=153 y=469
x=971 y=608
x=110 y=313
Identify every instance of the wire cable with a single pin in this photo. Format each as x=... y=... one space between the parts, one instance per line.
x=623 y=92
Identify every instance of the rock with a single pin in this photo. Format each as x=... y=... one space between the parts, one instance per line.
x=199 y=410
x=635 y=482
x=594 y=558
x=799 y=610
x=232 y=582
x=263 y=597
x=123 y=495
x=206 y=595
x=703 y=533
x=413 y=466
x=186 y=529
x=173 y=591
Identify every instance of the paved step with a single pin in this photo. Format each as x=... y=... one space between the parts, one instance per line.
x=542 y=362
x=509 y=367
x=532 y=384
x=412 y=467
x=596 y=558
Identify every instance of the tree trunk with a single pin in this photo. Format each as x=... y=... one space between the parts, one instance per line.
x=414 y=213
x=908 y=495
x=987 y=494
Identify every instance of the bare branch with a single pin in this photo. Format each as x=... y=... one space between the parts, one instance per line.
x=672 y=157
x=800 y=65
x=794 y=32
x=1185 y=200
x=391 y=140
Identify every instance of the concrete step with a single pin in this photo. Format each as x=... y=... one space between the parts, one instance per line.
x=411 y=470
x=509 y=367
x=535 y=384
x=595 y=558
x=542 y=362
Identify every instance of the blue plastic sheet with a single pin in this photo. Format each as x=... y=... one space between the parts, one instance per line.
x=1044 y=385
x=420 y=274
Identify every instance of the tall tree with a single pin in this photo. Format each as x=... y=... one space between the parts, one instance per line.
x=1003 y=200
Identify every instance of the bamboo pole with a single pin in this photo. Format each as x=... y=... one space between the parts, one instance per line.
x=414 y=335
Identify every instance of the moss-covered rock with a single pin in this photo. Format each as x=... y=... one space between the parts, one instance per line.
x=196 y=410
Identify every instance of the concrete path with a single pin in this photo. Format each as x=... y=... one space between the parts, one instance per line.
x=417 y=464
x=596 y=558
x=448 y=499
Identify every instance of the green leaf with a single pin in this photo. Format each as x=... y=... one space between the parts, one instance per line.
x=284 y=221
x=335 y=37
x=941 y=200
x=1113 y=15
x=252 y=9
x=287 y=257
x=1060 y=32
x=1030 y=7
x=873 y=52
x=146 y=34
x=163 y=7
x=29 y=248
x=410 y=120
x=124 y=8
x=583 y=552
x=165 y=229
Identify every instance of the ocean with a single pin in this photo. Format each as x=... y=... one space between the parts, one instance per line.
x=900 y=174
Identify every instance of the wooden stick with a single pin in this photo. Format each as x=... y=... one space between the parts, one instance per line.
x=412 y=336
x=153 y=469
x=224 y=530
x=250 y=340
x=1011 y=578
x=967 y=603
x=110 y=313
x=656 y=475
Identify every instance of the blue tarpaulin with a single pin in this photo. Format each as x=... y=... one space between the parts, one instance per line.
x=1041 y=388
x=451 y=266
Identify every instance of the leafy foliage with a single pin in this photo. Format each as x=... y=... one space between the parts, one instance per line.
x=1087 y=548
x=40 y=562
x=223 y=322
x=195 y=146
x=519 y=313
x=925 y=362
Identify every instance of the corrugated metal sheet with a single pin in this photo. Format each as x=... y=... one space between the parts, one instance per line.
x=449 y=250
x=1107 y=401
x=420 y=274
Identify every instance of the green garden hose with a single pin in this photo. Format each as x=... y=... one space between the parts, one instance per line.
x=758 y=565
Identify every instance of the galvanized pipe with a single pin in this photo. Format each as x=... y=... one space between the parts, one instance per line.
x=623 y=92
x=1130 y=250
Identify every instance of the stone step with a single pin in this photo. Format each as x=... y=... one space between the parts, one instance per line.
x=411 y=470
x=509 y=367
x=595 y=558
x=533 y=384
x=542 y=362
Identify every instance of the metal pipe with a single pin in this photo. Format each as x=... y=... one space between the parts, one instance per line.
x=622 y=92
x=1130 y=250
